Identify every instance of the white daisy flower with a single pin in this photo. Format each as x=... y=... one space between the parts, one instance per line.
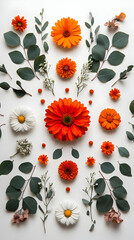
x=67 y=212
x=22 y=119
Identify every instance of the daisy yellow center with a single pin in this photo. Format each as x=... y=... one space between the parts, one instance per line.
x=19 y=24
x=66 y=68
x=66 y=33
x=21 y=119
x=109 y=118
x=67 y=213
x=67 y=120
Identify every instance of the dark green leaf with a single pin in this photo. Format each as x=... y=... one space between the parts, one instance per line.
x=12 y=39
x=26 y=73
x=30 y=204
x=75 y=153
x=120 y=192
x=120 y=40
x=115 y=182
x=100 y=186
x=87 y=25
x=95 y=66
x=87 y=43
x=130 y=136
x=38 y=29
x=103 y=41
x=3 y=69
x=116 y=58
x=34 y=185
x=98 y=52
x=26 y=167
x=19 y=84
x=33 y=52
x=12 y=205
x=19 y=93
x=95 y=197
x=6 y=167
x=29 y=40
x=49 y=194
x=92 y=21
x=105 y=75
x=123 y=75
x=38 y=61
x=107 y=167
x=12 y=192
x=123 y=205
x=44 y=36
x=125 y=169
x=17 y=182
x=38 y=195
x=41 y=209
x=16 y=57
x=4 y=85
x=104 y=203
x=37 y=21
x=123 y=152
x=131 y=107
x=86 y=202
x=45 y=26
x=46 y=47
x=90 y=14
x=129 y=68
x=91 y=228
x=87 y=212
x=0 y=133
x=97 y=29
x=57 y=153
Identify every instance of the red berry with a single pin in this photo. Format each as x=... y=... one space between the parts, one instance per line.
x=90 y=143
x=90 y=102
x=42 y=101
x=91 y=91
x=66 y=90
x=39 y=90
x=43 y=145
x=67 y=189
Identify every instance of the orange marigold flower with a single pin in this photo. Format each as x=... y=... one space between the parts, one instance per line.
x=120 y=17
x=39 y=90
x=90 y=102
x=90 y=143
x=19 y=24
x=66 y=32
x=68 y=170
x=114 y=93
x=91 y=91
x=67 y=189
x=42 y=101
x=90 y=161
x=67 y=119
x=43 y=159
x=107 y=147
x=66 y=68
x=109 y=119
x=66 y=90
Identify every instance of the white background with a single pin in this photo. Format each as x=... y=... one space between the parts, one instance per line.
x=54 y=10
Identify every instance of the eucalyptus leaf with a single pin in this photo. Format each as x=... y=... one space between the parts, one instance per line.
x=34 y=185
x=26 y=167
x=116 y=58
x=87 y=43
x=38 y=29
x=37 y=21
x=129 y=68
x=26 y=73
x=123 y=205
x=12 y=192
x=19 y=93
x=92 y=227
x=130 y=136
x=44 y=36
x=12 y=205
x=57 y=153
x=4 y=85
x=86 y=202
x=38 y=195
x=107 y=167
x=30 y=204
x=100 y=186
x=17 y=182
x=45 y=25
x=98 y=52
x=46 y=47
x=120 y=192
x=87 y=25
x=12 y=39
x=115 y=182
x=0 y=133
x=125 y=169
x=33 y=52
x=75 y=153
x=131 y=107
x=29 y=40
x=6 y=167
x=120 y=40
x=123 y=152
x=16 y=57
x=3 y=69
x=103 y=41
x=104 y=203
x=95 y=66
x=105 y=75
x=49 y=194
x=38 y=61
x=92 y=20
x=97 y=29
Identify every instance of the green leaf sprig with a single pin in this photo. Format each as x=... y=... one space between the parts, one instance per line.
x=1 y=124
x=124 y=74
x=19 y=92
x=4 y=70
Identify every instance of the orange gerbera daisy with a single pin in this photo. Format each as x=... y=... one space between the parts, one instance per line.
x=107 y=147
x=109 y=119
x=66 y=32
x=114 y=93
x=67 y=119
x=19 y=23
x=68 y=170
x=120 y=17
x=90 y=161
x=43 y=159
x=66 y=68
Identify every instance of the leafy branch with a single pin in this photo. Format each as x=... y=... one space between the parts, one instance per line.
x=123 y=75
x=4 y=70
x=19 y=92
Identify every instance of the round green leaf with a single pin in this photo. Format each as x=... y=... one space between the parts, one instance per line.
x=12 y=205
x=38 y=61
x=100 y=186
x=4 y=85
x=19 y=93
x=120 y=40
x=16 y=57
x=57 y=153
x=103 y=40
x=116 y=58
x=98 y=52
x=95 y=66
x=123 y=205
x=26 y=167
x=104 y=203
x=34 y=185
x=12 y=192
x=17 y=182
x=115 y=182
x=29 y=40
x=130 y=136
x=26 y=73
x=123 y=152
x=125 y=169
x=6 y=167
x=107 y=167
x=33 y=52
x=105 y=75
x=75 y=153
x=12 y=39
x=131 y=107
x=120 y=192
x=30 y=204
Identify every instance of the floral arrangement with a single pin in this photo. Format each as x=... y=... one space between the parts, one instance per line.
x=67 y=120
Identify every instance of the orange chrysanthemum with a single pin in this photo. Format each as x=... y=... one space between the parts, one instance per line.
x=19 y=24
x=66 y=32
x=109 y=119
x=43 y=159
x=120 y=17
x=114 y=93
x=67 y=119
x=68 y=170
x=66 y=68
x=107 y=147
x=90 y=161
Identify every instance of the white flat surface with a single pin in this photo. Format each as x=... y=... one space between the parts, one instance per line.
x=102 y=10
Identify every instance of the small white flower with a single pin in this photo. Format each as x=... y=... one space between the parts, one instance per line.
x=22 y=119
x=67 y=212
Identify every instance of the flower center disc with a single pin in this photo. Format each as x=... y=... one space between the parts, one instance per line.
x=19 y=24
x=21 y=119
x=67 y=213
x=66 y=33
x=67 y=120
x=109 y=118
x=65 y=68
